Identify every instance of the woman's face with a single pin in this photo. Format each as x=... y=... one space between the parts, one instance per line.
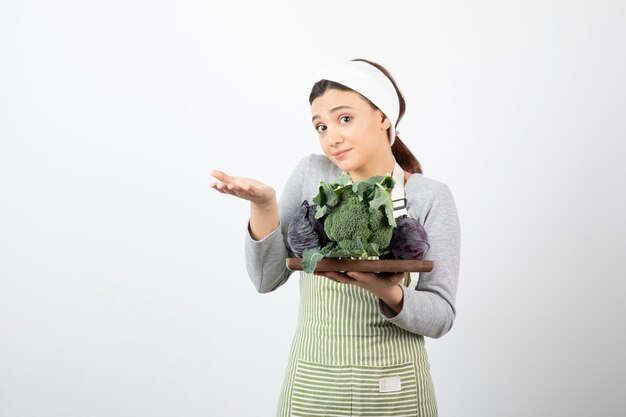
x=344 y=121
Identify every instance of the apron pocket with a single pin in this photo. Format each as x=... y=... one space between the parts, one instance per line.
x=320 y=389
x=385 y=390
x=346 y=390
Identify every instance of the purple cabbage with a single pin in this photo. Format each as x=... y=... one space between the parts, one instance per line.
x=409 y=239
x=305 y=231
x=318 y=224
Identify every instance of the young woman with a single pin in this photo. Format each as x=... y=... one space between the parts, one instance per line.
x=359 y=345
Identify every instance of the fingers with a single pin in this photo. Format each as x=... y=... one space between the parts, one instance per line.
x=354 y=276
x=330 y=277
x=325 y=274
x=221 y=175
x=234 y=189
x=227 y=182
x=338 y=277
x=390 y=275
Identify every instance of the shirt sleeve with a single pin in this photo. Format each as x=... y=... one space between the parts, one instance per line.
x=428 y=309
x=266 y=258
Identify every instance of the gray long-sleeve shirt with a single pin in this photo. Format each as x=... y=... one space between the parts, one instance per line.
x=428 y=309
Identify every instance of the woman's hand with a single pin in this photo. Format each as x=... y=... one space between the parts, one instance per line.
x=263 y=205
x=385 y=285
x=245 y=188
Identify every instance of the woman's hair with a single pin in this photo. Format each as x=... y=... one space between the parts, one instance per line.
x=401 y=153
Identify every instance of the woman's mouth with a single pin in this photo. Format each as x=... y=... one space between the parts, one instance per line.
x=341 y=154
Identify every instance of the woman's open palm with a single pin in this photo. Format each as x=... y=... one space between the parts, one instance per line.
x=245 y=188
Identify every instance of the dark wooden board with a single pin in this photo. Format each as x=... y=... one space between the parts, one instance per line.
x=364 y=265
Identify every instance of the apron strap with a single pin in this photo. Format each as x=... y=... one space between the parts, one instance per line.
x=398 y=195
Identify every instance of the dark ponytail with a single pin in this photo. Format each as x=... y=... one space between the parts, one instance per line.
x=401 y=153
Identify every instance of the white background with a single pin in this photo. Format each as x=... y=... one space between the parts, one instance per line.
x=123 y=289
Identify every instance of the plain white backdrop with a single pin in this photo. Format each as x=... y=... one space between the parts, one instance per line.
x=123 y=289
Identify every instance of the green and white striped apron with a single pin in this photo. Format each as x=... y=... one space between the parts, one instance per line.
x=347 y=360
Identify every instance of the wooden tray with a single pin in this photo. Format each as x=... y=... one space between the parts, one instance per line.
x=364 y=265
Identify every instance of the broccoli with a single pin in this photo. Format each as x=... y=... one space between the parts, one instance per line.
x=359 y=220
x=354 y=221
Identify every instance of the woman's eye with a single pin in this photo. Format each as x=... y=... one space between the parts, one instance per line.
x=317 y=128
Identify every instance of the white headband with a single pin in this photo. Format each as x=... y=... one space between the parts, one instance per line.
x=368 y=81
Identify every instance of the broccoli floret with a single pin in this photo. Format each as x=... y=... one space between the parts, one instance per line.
x=349 y=220
x=381 y=231
x=353 y=219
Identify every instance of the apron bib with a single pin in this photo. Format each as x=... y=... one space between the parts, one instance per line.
x=347 y=360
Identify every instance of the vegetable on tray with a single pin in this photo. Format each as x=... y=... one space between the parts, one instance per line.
x=354 y=221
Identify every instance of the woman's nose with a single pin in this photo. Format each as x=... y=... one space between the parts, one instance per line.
x=334 y=137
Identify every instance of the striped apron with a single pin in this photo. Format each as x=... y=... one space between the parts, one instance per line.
x=347 y=360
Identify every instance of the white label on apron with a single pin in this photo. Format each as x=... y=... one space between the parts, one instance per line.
x=389 y=384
